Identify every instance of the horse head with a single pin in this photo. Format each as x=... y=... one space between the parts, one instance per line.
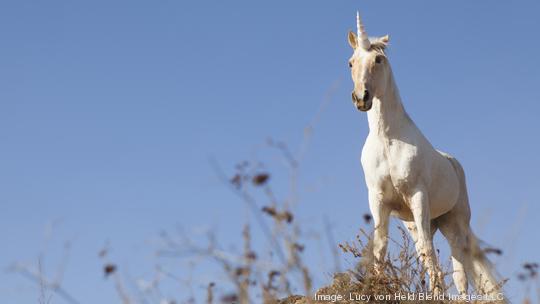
x=369 y=65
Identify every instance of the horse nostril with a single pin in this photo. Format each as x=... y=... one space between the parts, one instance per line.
x=354 y=98
x=366 y=95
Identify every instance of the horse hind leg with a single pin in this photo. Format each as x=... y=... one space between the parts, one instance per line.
x=456 y=238
x=468 y=259
x=459 y=275
x=471 y=262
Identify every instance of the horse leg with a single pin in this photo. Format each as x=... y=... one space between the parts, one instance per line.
x=457 y=238
x=411 y=227
x=468 y=259
x=381 y=217
x=424 y=246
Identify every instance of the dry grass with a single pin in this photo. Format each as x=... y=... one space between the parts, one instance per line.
x=253 y=276
x=260 y=281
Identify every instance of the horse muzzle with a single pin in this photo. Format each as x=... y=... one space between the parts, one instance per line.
x=363 y=104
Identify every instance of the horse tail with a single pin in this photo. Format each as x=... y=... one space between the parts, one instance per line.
x=482 y=269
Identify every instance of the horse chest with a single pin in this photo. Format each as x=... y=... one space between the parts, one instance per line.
x=389 y=165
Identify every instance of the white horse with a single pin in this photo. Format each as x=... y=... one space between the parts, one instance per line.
x=406 y=177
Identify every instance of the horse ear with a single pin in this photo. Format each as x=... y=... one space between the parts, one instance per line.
x=381 y=42
x=353 y=42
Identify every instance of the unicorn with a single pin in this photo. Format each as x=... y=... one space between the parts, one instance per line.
x=408 y=178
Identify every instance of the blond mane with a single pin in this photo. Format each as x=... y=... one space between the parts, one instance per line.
x=378 y=44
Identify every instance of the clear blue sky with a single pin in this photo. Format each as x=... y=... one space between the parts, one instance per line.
x=109 y=111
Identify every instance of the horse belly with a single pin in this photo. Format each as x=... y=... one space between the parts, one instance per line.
x=444 y=190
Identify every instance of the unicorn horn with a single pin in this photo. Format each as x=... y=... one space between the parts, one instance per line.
x=363 y=40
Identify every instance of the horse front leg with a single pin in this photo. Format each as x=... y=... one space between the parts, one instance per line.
x=419 y=205
x=381 y=217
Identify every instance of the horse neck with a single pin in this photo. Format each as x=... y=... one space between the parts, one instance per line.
x=387 y=114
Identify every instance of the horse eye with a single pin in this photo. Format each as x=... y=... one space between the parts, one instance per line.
x=378 y=59
x=350 y=64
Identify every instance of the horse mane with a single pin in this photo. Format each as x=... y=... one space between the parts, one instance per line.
x=378 y=45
